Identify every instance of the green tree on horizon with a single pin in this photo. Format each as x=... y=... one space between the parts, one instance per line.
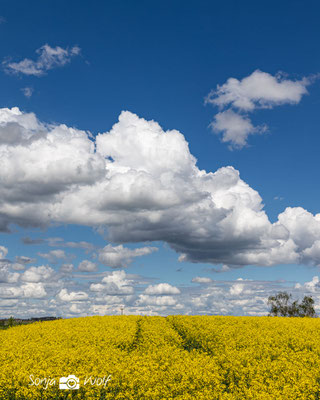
x=281 y=306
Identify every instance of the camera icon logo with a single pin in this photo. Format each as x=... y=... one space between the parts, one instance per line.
x=69 y=382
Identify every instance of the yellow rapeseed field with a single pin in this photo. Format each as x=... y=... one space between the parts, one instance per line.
x=177 y=357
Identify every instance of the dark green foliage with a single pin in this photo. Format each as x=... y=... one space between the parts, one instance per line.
x=282 y=306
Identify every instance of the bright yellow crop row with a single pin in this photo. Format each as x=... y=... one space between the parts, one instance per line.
x=178 y=357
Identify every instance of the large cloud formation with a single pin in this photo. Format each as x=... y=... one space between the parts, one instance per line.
x=142 y=184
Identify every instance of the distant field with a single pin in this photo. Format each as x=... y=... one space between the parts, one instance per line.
x=178 y=357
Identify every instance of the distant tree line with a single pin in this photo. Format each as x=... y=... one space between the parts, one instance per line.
x=282 y=306
x=9 y=322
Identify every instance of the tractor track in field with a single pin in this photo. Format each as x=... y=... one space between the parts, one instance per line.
x=136 y=339
x=189 y=343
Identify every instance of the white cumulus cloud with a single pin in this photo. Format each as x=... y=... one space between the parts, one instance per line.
x=35 y=290
x=116 y=283
x=37 y=274
x=87 y=266
x=145 y=299
x=235 y=128
x=64 y=295
x=161 y=288
x=6 y=276
x=201 y=279
x=258 y=90
x=3 y=252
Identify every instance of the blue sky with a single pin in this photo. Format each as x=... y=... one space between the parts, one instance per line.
x=159 y=61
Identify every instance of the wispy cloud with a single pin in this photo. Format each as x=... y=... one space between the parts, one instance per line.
x=29 y=241
x=54 y=255
x=27 y=91
x=120 y=256
x=48 y=58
